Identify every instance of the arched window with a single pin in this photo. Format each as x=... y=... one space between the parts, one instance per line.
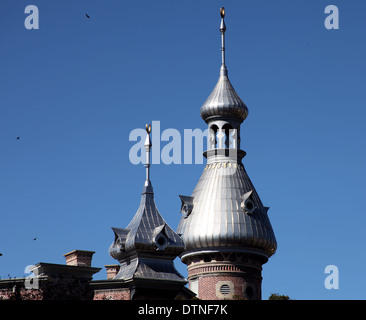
x=228 y=130
x=212 y=136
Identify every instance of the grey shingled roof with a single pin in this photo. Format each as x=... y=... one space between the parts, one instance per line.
x=147 y=247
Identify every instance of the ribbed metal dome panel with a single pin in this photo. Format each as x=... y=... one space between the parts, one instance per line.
x=217 y=219
x=224 y=101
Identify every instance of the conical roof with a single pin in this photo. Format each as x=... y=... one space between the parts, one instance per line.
x=147 y=247
x=148 y=231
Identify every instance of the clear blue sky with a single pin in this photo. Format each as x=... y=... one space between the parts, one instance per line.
x=74 y=89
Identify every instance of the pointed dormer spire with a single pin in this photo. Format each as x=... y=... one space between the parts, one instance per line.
x=223 y=70
x=147 y=247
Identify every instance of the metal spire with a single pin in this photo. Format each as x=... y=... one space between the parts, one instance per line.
x=223 y=70
x=148 y=148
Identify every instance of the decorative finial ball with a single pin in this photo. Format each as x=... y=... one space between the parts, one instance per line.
x=148 y=128
x=222 y=12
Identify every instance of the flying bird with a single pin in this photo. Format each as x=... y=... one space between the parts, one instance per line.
x=34 y=238
x=1 y=254
x=87 y=15
x=18 y=138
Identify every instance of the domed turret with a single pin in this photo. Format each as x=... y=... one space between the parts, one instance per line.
x=224 y=225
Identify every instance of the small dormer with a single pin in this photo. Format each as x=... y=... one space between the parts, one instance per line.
x=160 y=238
x=247 y=203
x=118 y=247
x=187 y=205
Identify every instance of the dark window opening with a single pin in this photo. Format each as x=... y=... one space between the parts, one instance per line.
x=161 y=241
x=213 y=136
x=227 y=128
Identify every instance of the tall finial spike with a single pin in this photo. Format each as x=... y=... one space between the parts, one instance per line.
x=223 y=70
x=147 y=148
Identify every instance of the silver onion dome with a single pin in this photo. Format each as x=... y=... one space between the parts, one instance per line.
x=223 y=101
x=227 y=213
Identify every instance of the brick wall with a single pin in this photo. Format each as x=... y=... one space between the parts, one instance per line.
x=230 y=287
x=113 y=294
x=214 y=277
x=62 y=288
x=21 y=294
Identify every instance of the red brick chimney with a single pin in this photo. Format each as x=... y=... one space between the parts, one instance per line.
x=112 y=270
x=79 y=258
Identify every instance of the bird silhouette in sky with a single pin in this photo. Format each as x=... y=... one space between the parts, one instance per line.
x=34 y=239
x=18 y=138
x=87 y=15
